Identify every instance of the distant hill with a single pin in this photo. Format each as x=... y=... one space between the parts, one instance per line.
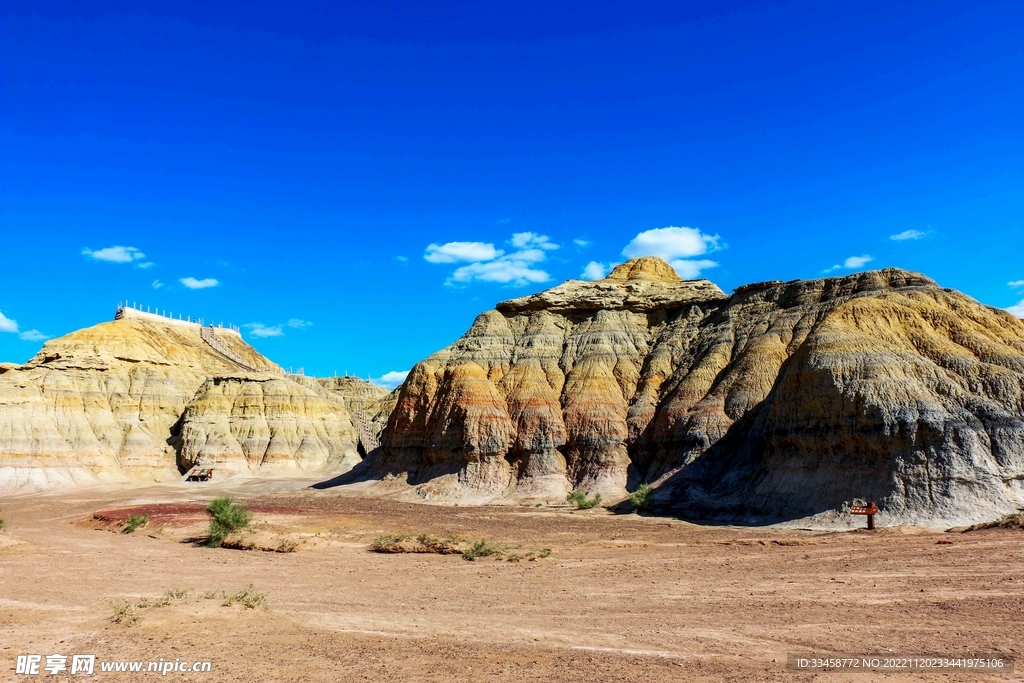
x=145 y=398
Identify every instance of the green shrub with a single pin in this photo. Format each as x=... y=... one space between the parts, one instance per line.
x=579 y=499
x=2 y=523
x=248 y=597
x=227 y=516
x=638 y=499
x=480 y=549
x=134 y=522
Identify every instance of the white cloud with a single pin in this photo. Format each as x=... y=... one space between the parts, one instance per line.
x=157 y=284
x=453 y=252
x=505 y=270
x=33 y=335
x=390 y=380
x=8 y=325
x=594 y=271
x=1018 y=309
x=402 y=259
x=1016 y=283
x=261 y=330
x=116 y=254
x=908 y=235
x=581 y=242
x=193 y=283
x=146 y=265
x=689 y=270
x=675 y=245
x=850 y=263
x=531 y=240
x=671 y=243
x=488 y=264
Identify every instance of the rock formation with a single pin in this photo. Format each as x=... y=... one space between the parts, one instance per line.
x=148 y=397
x=273 y=425
x=374 y=403
x=782 y=401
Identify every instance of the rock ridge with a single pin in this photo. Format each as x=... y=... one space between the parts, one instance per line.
x=785 y=400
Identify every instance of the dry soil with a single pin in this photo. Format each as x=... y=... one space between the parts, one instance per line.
x=620 y=598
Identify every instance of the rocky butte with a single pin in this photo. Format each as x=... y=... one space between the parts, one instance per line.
x=783 y=401
x=146 y=398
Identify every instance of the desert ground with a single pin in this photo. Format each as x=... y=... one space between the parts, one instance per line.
x=594 y=596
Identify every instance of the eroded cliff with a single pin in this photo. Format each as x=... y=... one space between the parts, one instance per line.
x=783 y=401
x=145 y=398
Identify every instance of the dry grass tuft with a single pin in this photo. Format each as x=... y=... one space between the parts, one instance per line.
x=452 y=545
x=248 y=597
x=1011 y=521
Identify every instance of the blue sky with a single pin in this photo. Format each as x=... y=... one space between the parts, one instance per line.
x=312 y=164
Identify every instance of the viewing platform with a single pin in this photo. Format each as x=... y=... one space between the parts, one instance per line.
x=124 y=310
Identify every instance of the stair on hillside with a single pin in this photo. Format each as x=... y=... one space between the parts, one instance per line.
x=366 y=437
x=210 y=337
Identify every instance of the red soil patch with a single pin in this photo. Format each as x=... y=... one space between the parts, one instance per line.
x=182 y=514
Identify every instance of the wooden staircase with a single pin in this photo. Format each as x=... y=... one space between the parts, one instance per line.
x=210 y=337
x=366 y=437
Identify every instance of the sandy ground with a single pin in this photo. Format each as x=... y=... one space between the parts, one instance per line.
x=621 y=597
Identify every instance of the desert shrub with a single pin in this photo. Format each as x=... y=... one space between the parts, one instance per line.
x=2 y=524
x=125 y=613
x=176 y=594
x=441 y=546
x=1010 y=521
x=227 y=516
x=480 y=549
x=248 y=597
x=389 y=543
x=638 y=499
x=134 y=522
x=580 y=500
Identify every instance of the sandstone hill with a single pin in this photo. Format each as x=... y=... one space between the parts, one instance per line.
x=784 y=401
x=372 y=402
x=148 y=397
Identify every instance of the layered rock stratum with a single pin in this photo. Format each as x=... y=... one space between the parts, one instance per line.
x=144 y=397
x=783 y=401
